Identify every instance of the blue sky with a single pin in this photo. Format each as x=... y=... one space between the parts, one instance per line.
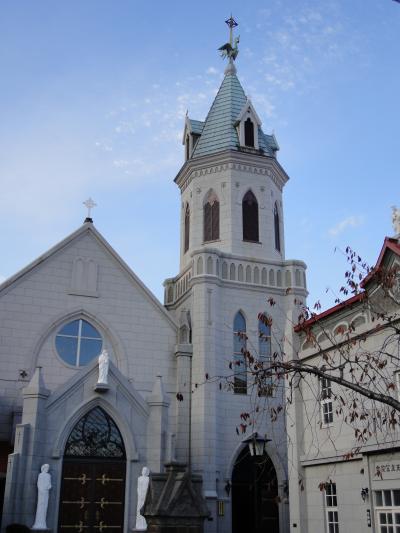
x=92 y=102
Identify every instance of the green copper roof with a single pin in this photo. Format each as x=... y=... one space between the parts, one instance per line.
x=197 y=126
x=219 y=131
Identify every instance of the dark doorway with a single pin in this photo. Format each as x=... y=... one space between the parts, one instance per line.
x=255 y=500
x=93 y=477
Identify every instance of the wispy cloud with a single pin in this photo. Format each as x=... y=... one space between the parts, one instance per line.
x=212 y=70
x=349 y=222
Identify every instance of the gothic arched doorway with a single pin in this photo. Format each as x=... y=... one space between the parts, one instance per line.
x=93 y=476
x=254 y=495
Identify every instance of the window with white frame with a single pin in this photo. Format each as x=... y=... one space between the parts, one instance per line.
x=331 y=507
x=326 y=401
x=387 y=510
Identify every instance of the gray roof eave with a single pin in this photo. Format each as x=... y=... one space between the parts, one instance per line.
x=229 y=156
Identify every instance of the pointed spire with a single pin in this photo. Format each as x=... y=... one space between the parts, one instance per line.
x=36 y=385
x=158 y=396
x=230 y=69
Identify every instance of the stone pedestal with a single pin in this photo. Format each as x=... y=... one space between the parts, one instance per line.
x=174 y=502
x=101 y=387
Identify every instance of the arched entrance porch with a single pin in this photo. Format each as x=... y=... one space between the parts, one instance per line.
x=93 y=476
x=255 y=502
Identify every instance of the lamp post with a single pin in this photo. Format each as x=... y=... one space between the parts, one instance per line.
x=257 y=450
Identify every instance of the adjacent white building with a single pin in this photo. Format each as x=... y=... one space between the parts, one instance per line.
x=344 y=477
x=80 y=297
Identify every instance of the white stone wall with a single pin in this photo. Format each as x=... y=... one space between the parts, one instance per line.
x=34 y=308
x=230 y=185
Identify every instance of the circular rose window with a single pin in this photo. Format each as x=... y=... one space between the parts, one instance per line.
x=78 y=343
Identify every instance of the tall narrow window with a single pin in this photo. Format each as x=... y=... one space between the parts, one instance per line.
x=239 y=360
x=332 y=515
x=326 y=402
x=211 y=217
x=187 y=229
x=265 y=386
x=250 y=217
x=276 y=226
x=249 y=133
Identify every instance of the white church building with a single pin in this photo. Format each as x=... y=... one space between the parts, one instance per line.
x=80 y=297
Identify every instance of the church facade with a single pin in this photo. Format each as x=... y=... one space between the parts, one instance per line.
x=177 y=382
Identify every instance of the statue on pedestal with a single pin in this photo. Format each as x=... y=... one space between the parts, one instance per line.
x=104 y=363
x=143 y=485
x=44 y=486
x=396 y=220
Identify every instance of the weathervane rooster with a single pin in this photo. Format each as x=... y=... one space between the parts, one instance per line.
x=230 y=50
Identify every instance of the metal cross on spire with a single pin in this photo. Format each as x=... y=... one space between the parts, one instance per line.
x=89 y=204
x=232 y=24
x=230 y=50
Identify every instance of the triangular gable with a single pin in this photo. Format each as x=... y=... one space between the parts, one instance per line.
x=67 y=389
x=87 y=228
x=248 y=106
x=390 y=245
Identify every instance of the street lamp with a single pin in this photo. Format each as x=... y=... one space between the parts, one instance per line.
x=256 y=444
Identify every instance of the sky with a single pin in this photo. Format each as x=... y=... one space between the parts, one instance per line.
x=93 y=96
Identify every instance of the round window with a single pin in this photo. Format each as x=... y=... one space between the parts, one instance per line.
x=78 y=342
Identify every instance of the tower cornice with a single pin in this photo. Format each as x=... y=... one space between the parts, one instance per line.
x=231 y=160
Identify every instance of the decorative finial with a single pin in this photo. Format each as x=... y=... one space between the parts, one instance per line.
x=396 y=220
x=230 y=49
x=89 y=203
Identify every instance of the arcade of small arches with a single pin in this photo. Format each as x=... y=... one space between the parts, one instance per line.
x=211 y=217
x=234 y=271
x=337 y=332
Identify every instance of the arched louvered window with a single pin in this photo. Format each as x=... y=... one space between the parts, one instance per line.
x=187 y=147
x=239 y=360
x=211 y=217
x=265 y=385
x=250 y=217
x=276 y=227
x=249 y=133
x=187 y=229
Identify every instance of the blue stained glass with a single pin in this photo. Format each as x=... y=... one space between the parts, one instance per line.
x=239 y=323
x=89 y=331
x=72 y=328
x=89 y=350
x=238 y=343
x=67 y=349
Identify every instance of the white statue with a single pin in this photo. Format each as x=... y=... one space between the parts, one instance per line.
x=142 y=486
x=44 y=486
x=396 y=220
x=104 y=363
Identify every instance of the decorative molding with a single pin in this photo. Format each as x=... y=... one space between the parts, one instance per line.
x=261 y=165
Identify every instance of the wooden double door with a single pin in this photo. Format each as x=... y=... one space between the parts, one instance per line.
x=92 y=496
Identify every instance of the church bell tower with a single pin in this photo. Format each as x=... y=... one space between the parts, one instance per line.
x=232 y=260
